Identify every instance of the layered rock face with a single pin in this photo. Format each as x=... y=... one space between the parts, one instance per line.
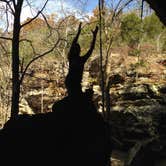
x=135 y=110
x=138 y=122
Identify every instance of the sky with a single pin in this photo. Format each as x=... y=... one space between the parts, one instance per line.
x=91 y=4
x=83 y=7
x=70 y=6
x=55 y=6
x=78 y=7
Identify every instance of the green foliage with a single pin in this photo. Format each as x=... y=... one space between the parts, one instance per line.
x=38 y=40
x=164 y=46
x=152 y=26
x=26 y=52
x=86 y=38
x=134 y=52
x=140 y=63
x=131 y=29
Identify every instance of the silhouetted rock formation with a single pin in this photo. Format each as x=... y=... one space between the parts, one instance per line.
x=88 y=131
x=73 y=134
x=75 y=137
x=76 y=65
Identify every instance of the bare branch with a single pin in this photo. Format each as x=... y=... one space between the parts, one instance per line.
x=30 y=42
x=4 y=1
x=119 y=9
x=38 y=13
x=6 y=38
x=3 y=48
x=122 y=7
x=8 y=4
x=22 y=65
x=7 y=19
x=28 y=3
x=116 y=8
x=37 y=57
x=48 y=25
x=8 y=10
x=45 y=19
x=10 y=7
x=14 y=3
x=108 y=53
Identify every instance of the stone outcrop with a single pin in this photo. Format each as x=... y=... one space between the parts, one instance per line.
x=135 y=108
x=138 y=122
x=137 y=112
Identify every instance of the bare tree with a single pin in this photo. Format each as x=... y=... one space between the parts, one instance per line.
x=109 y=22
x=14 y=8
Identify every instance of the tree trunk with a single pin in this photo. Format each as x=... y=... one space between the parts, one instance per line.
x=102 y=83
x=107 y=101
x=158 y=43
x=15 y=61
